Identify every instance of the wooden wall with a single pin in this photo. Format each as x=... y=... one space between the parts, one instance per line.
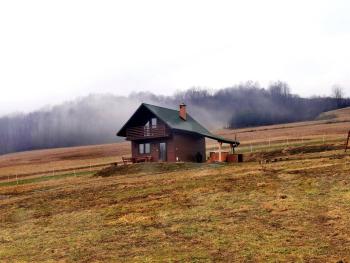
x=187 y=146
x=154 y=148
x=181 y=145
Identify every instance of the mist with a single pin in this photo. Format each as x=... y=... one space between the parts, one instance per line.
x=96 y=118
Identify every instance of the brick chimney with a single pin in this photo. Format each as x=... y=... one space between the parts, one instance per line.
x=182 y=111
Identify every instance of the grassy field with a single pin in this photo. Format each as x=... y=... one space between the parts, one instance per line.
x=293 y=210
x=331 y=127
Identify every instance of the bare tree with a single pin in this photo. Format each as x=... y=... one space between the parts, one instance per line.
x=338 y=94
x=279 y=89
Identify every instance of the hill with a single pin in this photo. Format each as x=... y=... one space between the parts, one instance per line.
x=330 y=125
x=330 y=129
x=287 y=202
x=293 y=210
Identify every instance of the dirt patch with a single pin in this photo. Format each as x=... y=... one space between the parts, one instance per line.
x=149 y=168
x=312 y=149
x=2 y=197
x=283 y=154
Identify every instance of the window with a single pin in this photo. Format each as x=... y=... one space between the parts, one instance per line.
x=147 y=148
x=141 y=148
x=154 y=122
x=162 y=151
x=147 y=129
x=144 y=148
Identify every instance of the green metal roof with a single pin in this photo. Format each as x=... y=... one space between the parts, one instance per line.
x=172 y=119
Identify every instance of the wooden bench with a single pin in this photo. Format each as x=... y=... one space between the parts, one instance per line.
x=143 y=159
x=127 y=160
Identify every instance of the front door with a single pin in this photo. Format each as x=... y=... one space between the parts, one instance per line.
x=162 y=151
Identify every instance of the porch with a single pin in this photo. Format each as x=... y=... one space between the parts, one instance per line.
x=147 y=132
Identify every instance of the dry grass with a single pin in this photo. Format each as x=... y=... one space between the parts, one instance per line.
x=295 y=210
x=61 y=158
x=333 y=127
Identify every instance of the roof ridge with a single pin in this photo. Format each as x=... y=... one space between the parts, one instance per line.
x=188 y=114
x=148 y=104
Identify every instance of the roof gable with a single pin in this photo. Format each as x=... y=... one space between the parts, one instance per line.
x=172 y=119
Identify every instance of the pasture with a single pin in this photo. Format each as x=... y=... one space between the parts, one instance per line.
x=293 y=210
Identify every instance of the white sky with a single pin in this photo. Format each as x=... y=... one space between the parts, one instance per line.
x=51 y=51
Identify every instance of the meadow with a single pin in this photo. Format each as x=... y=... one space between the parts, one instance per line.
x=288 y=202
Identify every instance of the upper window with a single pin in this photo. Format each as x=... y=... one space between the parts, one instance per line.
x=147 y=129
x=154 y=122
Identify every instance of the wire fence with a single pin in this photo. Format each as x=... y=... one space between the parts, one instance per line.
x=89 y=168
x=270 y=144
x=247 y=146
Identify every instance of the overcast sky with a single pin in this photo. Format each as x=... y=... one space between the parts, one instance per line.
x=51 y=51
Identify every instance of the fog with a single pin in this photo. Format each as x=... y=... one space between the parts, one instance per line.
x=96 y=118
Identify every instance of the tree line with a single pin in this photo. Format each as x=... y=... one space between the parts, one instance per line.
x=95 y=119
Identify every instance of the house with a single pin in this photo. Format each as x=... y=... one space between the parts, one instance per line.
x=163 y=134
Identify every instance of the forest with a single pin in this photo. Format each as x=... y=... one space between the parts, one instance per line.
x=96 y=118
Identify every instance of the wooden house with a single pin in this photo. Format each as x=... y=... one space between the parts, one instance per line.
x=163 y=134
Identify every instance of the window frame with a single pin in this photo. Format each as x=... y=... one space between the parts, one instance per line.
x=154 y=122
x=147 y=148
x=144 y=148
x=141 y=148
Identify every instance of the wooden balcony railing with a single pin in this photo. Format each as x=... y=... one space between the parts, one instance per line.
x=144 y=132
